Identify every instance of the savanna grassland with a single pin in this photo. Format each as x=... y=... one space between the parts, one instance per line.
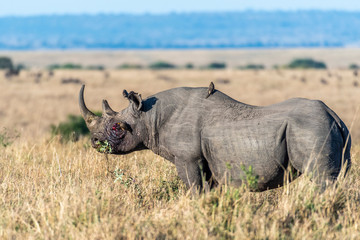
x=50 y=189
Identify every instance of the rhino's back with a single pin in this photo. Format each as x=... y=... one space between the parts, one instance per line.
x=266 y=138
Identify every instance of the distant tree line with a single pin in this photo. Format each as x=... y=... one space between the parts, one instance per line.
x=74 y=66
x=158 y=65
x=299 y=63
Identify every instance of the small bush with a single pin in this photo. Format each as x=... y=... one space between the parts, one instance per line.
x=216 y=65
x=7 y=138
x=71 y=66
x=354 y=66
x=189 y=66
x=65 y=66
x=20 y=67
x=6 y=63
x=252 y=66
x=129 y=66
x=96 y=67
x=161 y=65
x=54 y=66
x=305 y=63
x=276 y=67
x=71 y=129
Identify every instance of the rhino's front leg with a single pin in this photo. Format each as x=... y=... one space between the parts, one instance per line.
x=190 y=173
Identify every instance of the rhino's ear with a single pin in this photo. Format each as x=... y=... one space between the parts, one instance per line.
x=135 y=100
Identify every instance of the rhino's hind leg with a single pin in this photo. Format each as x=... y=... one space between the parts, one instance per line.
x=323 y=166
x=323 y=171
x=315 y=147
x=208 y=180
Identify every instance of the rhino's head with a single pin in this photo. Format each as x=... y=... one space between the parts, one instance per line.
x=115 y=132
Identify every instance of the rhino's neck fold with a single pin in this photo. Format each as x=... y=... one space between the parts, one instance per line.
x=155 y=115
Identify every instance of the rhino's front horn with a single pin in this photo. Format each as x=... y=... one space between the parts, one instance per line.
x=88 y=116
x=107 y=109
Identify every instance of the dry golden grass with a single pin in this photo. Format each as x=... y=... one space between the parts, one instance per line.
x=50 y=190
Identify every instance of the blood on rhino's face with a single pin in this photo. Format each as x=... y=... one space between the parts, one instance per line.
x=115 y=132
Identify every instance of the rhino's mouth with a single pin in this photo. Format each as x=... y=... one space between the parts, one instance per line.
x=115 y=135
x=104 y=147
x=109 y=146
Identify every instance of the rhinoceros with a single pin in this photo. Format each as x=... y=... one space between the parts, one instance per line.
x=213 y=139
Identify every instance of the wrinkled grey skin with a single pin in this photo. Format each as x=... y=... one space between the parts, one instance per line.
x=213 y=139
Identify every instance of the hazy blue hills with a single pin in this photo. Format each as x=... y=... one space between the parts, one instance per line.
x=183 y=30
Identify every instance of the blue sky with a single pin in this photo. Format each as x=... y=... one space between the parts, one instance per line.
x=34 y=7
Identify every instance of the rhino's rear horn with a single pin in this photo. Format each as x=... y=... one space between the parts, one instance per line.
x=85 y=112
x=107 y=110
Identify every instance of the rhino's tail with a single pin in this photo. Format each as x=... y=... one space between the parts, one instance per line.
x=346 y=157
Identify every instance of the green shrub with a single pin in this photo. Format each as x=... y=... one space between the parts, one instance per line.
x=71 y=129
x=216 y=65
x=276 y=67
x=54 y=66
x=189 y=66
x=306 y=63
x=65 y=66
x=96 y=67
x=252 y=66
x=6 y=63
x=71 y=66
x=129 y=66
x=7 y=138
x=354 y=66
x=161 y=65
x=20 y=67
x=250 y=178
